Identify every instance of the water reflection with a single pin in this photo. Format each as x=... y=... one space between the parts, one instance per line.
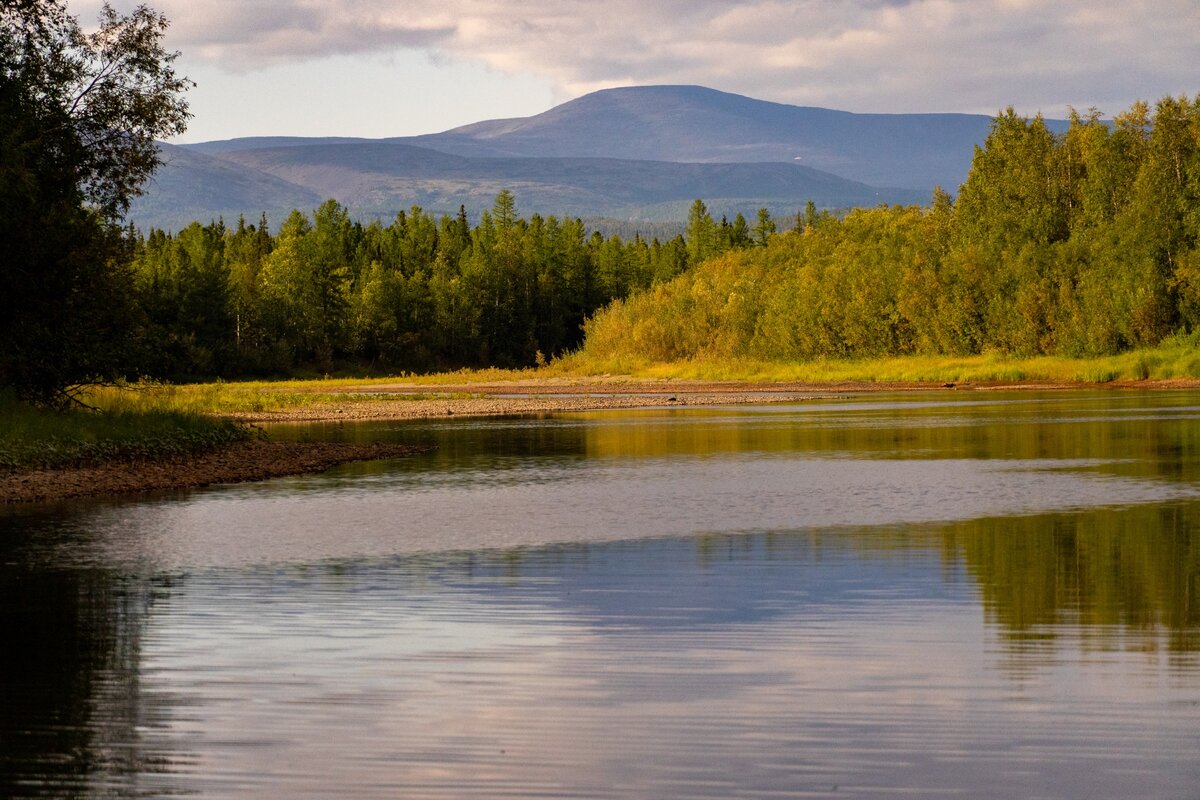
x=707 y=603
x=784 y=662
x=1111 y=577
x=74 y=718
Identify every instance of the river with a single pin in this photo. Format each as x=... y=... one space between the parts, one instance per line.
x=951 y=594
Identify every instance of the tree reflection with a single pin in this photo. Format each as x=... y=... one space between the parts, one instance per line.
x=1105 y=573
x=73 y=720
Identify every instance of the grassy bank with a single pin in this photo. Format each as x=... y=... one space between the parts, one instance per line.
x=32 y=438
x=1177 y=358
x=223 y=398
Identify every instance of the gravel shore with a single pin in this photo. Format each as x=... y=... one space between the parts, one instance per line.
x=259 y=459
x=421 y=401
x=507 y=401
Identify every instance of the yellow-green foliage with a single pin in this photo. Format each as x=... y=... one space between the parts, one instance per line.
x=844 y=288
x=254 y=396
x=1178 y=357
x=1084 y=244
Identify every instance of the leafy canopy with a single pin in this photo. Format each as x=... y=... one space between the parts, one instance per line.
x=79 y=115
x=103 y=97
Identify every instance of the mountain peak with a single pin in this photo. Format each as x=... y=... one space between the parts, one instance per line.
x=688 y=123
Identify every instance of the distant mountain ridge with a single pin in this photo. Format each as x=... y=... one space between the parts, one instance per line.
x=633 y=153
x=694 y=123
x=379 y=178
x=387 y=172
x=191 y=186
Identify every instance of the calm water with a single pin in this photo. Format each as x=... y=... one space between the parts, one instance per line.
x=932 y=595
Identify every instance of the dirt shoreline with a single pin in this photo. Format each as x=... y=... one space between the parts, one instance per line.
x=260 y=459
x=251 y=460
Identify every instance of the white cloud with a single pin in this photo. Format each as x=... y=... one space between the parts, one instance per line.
x=867 y=55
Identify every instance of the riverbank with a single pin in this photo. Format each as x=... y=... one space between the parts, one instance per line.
x=260 y=458
x=249 y=460
x=400 y=401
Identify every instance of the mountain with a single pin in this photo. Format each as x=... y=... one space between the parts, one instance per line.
x=191 y=186
x=381 y=177
x=378 y=178
x=693 y=123
x=259 y=142
x=641 y=152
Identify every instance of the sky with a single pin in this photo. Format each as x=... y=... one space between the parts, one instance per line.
x=376 y=68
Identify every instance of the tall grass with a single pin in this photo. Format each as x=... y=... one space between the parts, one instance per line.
x=1176 y=357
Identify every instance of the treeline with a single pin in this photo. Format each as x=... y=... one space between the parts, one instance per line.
x=417 y=294
x=1075 y=244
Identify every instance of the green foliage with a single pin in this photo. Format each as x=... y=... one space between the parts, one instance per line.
x=418 y=294
x=79 y=115
x=1082 y=244
x=763 y=228
x=702 y=240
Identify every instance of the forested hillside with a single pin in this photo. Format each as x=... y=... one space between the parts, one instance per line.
x=1077 y=243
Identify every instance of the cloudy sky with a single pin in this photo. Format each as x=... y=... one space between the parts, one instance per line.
x=397 y=67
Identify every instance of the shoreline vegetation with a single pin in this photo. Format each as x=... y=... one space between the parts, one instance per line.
x=161 y=437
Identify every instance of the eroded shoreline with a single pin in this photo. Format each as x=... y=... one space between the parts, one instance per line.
x=251 y=460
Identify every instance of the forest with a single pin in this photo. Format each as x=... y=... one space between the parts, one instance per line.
x=1078 y=244
x=417 y=294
